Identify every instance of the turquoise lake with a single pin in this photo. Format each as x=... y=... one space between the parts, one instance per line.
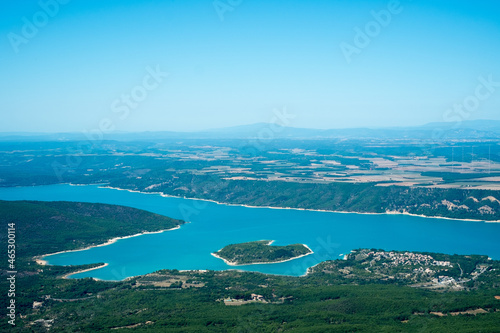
x=212 y=226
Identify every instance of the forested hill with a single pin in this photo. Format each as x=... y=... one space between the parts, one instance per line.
x=260 y=252
x=48 y=227
x=350 y=197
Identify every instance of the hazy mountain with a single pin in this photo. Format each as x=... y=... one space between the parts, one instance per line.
x=480 y=124
x=471 y=129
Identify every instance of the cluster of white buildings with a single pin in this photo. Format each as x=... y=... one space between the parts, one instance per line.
x=408 y=258
x=444 y=280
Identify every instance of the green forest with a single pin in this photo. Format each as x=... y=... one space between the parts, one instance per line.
x=326 y=300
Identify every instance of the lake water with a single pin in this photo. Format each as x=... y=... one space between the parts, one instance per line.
x=213 y=226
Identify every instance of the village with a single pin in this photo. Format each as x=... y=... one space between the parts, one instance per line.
x=419 y=270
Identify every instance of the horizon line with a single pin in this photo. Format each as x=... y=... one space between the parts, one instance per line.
x=214 y=129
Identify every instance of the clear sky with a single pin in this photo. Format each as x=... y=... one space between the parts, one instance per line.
x=77 y=65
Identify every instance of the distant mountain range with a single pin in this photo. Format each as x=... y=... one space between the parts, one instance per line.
x=471 y=129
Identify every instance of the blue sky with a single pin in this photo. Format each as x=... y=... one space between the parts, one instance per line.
x=233 y=62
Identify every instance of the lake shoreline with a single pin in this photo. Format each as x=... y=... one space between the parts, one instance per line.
x=193 y=202
x=293 y=208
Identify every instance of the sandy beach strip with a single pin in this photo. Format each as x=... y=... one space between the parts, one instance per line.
x=66 y=276
x=41 y=261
